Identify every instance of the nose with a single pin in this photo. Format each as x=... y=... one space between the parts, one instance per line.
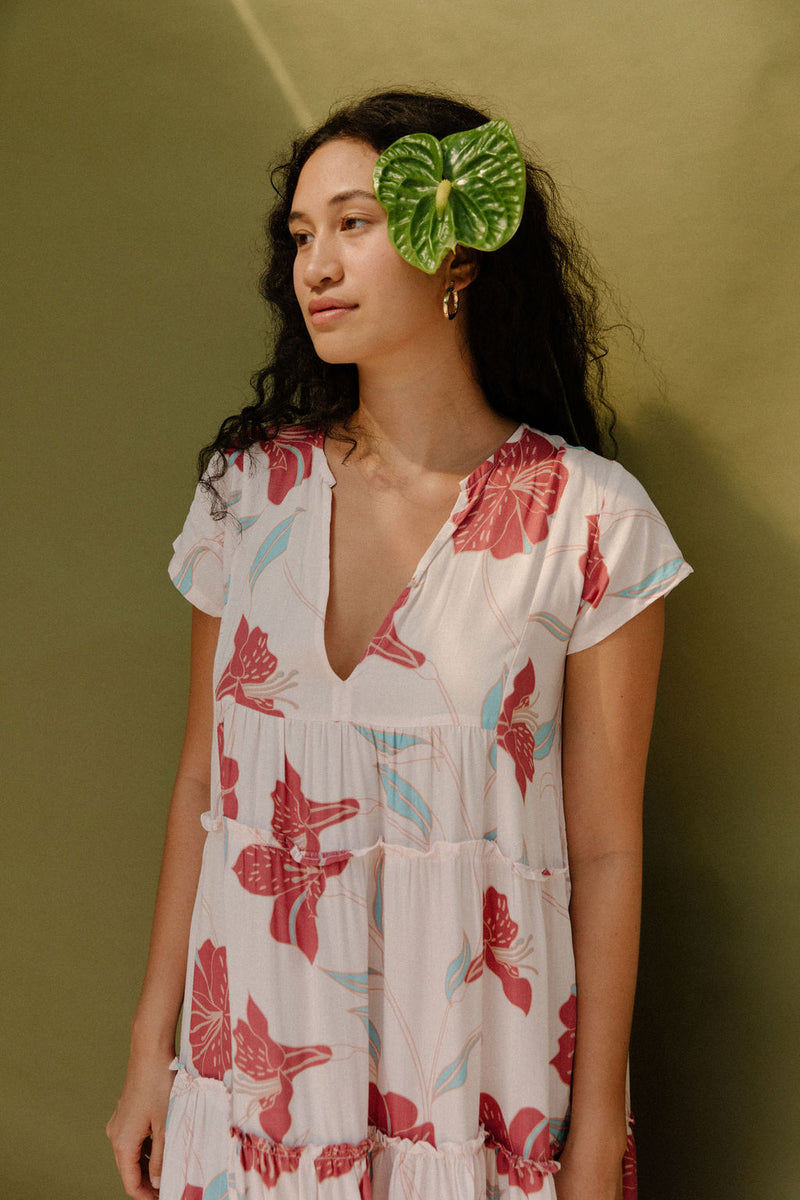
x=322 y=262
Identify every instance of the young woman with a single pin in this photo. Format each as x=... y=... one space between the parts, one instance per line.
x=403 y=850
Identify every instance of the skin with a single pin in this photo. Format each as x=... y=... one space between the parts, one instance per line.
x=138 y=1122
x=422 y=425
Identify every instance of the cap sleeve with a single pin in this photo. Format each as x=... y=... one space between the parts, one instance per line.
x=199 y=564
x=630 y=560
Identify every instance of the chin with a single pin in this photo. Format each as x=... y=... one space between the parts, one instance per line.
x=329 y=352
x=331 y=357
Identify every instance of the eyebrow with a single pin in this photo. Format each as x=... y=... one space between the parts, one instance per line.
x=339 y=198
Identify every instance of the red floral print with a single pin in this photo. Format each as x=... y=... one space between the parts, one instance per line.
x=630 y=1175
x=273 y=1065
x=388 y=645
x=236 y=458
x=523 y=1149
x=386 y=642
x=568 y=1014
x=503 y=949
x=210 y=1024
x=395 y=1115
x=520 y=495
x=269 y=1159
x=297 y=887
x=517 y=724
x=595 y=572
x=190 y=1192
x=290 y=455
x=339 y=1159
x=247 y=675
x=273 y=1159
x=228 y=777
x=298 y=821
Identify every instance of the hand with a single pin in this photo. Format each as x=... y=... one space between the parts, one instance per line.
x=136 y=1129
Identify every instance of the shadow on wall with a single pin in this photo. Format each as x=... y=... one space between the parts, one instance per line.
x=716 y=1034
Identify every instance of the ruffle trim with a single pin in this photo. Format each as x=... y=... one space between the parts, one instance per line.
x=365 y=1168
x=487 y=847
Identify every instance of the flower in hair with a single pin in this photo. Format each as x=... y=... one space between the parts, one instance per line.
x=466 y=190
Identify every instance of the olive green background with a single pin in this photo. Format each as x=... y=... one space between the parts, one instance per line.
x=136 y=138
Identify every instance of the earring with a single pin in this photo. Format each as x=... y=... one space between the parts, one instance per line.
x=449 y=312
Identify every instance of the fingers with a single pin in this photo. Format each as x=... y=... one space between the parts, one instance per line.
x=156 y=1159
x=130 y=1172
x=132 y=1158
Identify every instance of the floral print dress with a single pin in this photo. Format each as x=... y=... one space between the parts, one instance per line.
x=380 y=998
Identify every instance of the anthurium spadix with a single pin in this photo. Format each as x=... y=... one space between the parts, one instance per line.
x=466 y=190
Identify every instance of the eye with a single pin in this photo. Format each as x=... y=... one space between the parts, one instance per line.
x=300 y=238
x=353 y=222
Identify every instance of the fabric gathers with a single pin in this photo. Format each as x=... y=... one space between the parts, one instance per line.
x=380 y=996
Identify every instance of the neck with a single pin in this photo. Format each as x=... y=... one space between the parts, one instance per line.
x=425 y=415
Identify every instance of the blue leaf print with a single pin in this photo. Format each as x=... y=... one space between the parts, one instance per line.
x=300 y=464
x=246 y=522
x=458 y=969
x=377 y=906
x=355 y=983
x=527 y=1149
x=558 y=1129
x=183 y=580
x=218 y=1188
x=372 y=1034
x=490 y=713
x=454 y=1075
x=553 y=625
x=490 y=835
x=405 y=800
x=544 y=737
x=301 y=899
x=274 y=544
x=388 y=740
x=653 y=583
x=493 y=1191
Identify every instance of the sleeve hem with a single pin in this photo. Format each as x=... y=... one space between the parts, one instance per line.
x=625 y=614
x=198 y=598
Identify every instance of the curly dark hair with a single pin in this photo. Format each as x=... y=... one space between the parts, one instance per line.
x=533 y=318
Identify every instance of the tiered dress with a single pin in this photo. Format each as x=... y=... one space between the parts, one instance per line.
x=380 y=999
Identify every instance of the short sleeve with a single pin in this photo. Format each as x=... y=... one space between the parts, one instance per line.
x=630 y=560
x=199 y=564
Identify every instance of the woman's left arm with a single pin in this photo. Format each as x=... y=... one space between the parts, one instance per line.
x=609 y=698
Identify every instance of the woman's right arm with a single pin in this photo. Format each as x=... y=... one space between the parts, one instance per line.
x=142 y=1107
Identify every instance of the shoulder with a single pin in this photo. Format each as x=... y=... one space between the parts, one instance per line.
x=278 y=464
x=588 y=476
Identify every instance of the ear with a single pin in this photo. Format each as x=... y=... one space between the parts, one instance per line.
x=462 y=266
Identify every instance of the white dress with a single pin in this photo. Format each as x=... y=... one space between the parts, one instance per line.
x=380 y=997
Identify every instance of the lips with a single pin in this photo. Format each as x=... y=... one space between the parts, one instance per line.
x=324 y=304
x=324 y=310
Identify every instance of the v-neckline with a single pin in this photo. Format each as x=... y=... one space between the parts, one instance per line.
x=443 y=535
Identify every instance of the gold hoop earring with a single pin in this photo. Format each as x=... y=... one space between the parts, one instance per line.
x=449 y=312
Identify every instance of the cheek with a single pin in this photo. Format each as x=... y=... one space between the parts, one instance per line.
x=418 y=294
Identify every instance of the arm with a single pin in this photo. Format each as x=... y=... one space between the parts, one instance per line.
x=608 y=712
x=142 y=1107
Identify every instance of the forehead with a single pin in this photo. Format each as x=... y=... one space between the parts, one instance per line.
x=338 y=166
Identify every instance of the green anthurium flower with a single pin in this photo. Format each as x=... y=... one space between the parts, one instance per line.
x=467 y=189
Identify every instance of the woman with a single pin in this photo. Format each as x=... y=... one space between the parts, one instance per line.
x=426 y=639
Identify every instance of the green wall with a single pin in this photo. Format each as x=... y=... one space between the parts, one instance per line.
x=136 y=138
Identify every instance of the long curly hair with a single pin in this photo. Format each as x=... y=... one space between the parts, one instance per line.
x=533 y=319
